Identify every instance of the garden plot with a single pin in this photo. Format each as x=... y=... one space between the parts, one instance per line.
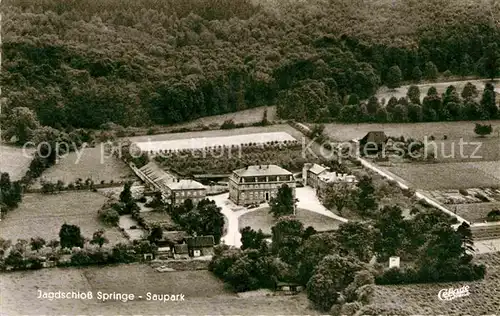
x=465 y=196
x=441 y=176
x=214 y=142
x=15 y=161
x=43 y=215
x=474 y=212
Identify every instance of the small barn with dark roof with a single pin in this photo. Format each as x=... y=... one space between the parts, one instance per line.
x=201 y=246
x=181 y=251
x=375 y=139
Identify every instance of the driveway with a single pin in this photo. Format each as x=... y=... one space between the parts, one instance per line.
x=307 y=200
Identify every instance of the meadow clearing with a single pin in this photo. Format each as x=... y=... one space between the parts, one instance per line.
x=421 y=299
x=42 y=215
x=241 y=117
x=204 y=294
x=92 y=163
x=261 y=219
x=15 y=161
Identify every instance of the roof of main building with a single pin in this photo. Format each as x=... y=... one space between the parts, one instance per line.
x=184 y=184
x=262 y=170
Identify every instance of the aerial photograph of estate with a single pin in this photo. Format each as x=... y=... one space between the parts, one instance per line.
x=249 y=157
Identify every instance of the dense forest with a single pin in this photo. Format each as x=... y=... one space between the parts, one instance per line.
x=83 y=63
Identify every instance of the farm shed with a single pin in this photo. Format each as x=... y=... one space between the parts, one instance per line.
x=201 y=246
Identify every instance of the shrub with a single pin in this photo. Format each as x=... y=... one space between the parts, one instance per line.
x=109 y=216
x=80 y=258
x=493 y=215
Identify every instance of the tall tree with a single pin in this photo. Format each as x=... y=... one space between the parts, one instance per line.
x=488 y=101
x=357 y=239
x=366 y=201
x=338 y=195
x=99 y=239
x=332 y=275
x=251 y=239
x=394 y=77
x=70 y=236
x=284 y=203
x=430 y=71
x=37 y=243
x=491 y=61
x=287 y=236
x=469 y=91
x=391 y=228
x=413 y=94
x=21 y=123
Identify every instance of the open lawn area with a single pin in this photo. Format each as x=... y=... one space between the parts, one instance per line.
x=475 y=212
x=90 y=164
x=261 y=219
x=43 y=215
x=438 y=176
x=15 y=161
x=220 y=133
x=422 y=299
x=204 y=294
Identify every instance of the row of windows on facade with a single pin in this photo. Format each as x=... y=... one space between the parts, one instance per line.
x=259 y=194
x=266 y=179
x=189 y=193
x=258 y=186
x=194 y=200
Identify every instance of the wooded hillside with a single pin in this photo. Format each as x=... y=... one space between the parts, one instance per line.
x=137 y=62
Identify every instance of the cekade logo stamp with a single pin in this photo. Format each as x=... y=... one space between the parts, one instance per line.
x=451 y=293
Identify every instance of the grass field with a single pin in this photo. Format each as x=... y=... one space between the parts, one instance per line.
x=423 y=299
x=261 y=219
x=449 y=175
x=246 y=117
x=204 y=294
x=14 y=161
x=88 y=165
x=42 y=215
x=454 y=130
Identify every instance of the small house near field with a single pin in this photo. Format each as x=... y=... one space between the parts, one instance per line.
x=289 y=288
x=201 y=246
x=373 y=142
x=181 y=251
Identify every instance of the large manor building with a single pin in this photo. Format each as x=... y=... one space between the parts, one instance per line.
x=258 y=183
